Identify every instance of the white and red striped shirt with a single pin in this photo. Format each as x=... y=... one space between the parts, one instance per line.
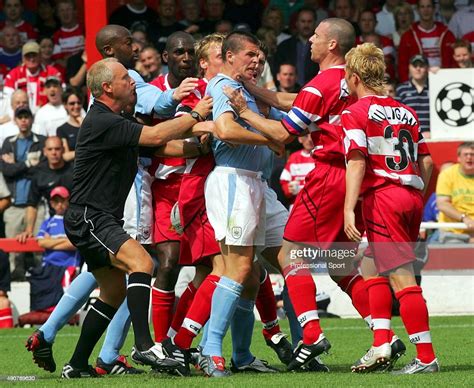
x=26 y=30
x=68 y=41
x=163 y=167
x=387 y=132
x=317 y=109
x=33 y=84
x=298 y=165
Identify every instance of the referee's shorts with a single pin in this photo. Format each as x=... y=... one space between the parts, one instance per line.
x=95 y=234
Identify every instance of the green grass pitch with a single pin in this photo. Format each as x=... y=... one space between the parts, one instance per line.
x=453 y=339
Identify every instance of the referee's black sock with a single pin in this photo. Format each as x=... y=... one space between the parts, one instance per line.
x=97 y=319
x=138 y=299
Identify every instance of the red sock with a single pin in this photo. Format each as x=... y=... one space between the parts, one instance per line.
x=414 y=315
x=266 y=306
x=380 y=298
x=6 y=318
x=302 y=292
x=354 y=286
x=162 y=305
x=183 y=307
x=198 y=313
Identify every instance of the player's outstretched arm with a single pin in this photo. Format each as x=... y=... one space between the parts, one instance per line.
x=354 y=176
x=270 y=128
x=178 y=128
x=181 y=149
x=228 y=130
x=279 y=100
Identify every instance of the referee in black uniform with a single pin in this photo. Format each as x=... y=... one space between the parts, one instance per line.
x=105 y=167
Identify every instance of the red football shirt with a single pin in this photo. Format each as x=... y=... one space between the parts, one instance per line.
x=388 y=133
x=317 y=109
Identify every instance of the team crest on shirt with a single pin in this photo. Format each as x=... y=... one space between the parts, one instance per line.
x=236 y=232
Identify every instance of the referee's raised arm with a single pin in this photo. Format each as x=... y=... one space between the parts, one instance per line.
x=111 y=84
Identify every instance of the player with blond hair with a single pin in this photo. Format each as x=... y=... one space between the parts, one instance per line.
x=389 y=165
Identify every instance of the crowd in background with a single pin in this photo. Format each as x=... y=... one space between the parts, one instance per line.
x=43 y=73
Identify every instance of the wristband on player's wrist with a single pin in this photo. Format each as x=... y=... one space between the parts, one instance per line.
x=196 y=116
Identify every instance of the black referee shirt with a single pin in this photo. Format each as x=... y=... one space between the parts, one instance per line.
x=106 y=160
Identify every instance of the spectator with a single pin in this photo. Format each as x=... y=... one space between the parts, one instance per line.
x=68 y=132
x=20 y=155
x=286 y=78
x=165 y=25
x=52 y=172
x=404 y=18
x=6 y=315
x=51 y=115
x=58 y=266
x=268 y=38
x=76 y=70
x=13 y=10
x=296 y=50
x=214 y=14
x=462 y=21
x=224 y=27
x=299 y=164
x=427 y=37
x=288 y=8
x=58 y=249
x=454 y=195
x=10 y=53
x=445 y=12
x=414 y=92
x=244 y=11
x=191 y=18
x=69 y=39
x=367 y=26
x=47 y=22
x=273 y=19
x=132 y=12
x=344 y=9
x=463 y=54
x=389 y=86
x=385 y=18
x=46 y=55
x=150 y=60
x=9 y=128
x=30 y=76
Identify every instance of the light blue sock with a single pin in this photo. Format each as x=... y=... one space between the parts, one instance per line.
x=204 y=335
x=224 y=301
x=241 y=327
x=295 y=327
x=116 y=334
x=72 y=300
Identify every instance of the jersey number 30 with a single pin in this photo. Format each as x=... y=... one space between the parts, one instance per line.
x=403 y=140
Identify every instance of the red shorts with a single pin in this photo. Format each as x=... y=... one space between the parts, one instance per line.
x=392 y=217
x=318 y=212
x=165 y=195
x=198 y=241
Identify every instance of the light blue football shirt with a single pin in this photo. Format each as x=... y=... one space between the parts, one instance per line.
x=247 y=157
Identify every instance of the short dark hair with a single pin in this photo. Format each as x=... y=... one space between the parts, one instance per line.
x=234 y=42
x=71 y=91
x=466 y=144
x=306 y=9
